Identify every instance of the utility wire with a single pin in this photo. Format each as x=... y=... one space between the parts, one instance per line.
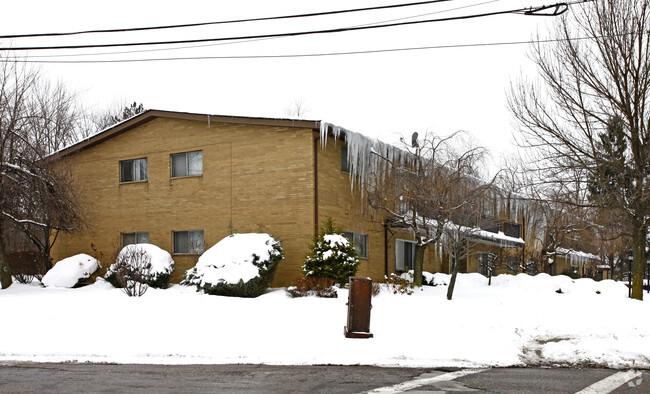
x=307 y=55
x=244 y=41
x=291 y=34
x=268 y=18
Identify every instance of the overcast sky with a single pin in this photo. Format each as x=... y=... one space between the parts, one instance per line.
x=379 y=94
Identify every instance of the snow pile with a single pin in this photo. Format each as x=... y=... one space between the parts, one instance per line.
x=68 y=272
x=518 y=321
x=161 y=262
x=238 y=258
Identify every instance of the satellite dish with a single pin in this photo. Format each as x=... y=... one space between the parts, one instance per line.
x=414 y=140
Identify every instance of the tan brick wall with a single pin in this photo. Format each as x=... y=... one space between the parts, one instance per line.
x=337 y=200
x=255 y=179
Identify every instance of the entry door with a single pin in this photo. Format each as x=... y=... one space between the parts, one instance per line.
x=404 y=255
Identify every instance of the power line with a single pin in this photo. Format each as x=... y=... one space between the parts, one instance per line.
x=311 y=14
x=307 y=55
x=291 y=34
x=244 y=41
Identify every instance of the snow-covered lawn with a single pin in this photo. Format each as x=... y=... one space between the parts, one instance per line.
x=517 y=321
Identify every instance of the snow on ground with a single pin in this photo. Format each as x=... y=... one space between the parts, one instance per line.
x=519 y=320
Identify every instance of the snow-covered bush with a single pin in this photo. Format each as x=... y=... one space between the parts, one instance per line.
x=71 y=271
x=142 y=263
x=240 y=265
x=332 y=256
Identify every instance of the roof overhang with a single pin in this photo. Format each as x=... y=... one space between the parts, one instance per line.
x=151 y=114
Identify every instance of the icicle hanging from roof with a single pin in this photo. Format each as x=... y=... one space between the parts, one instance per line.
x=367 y=158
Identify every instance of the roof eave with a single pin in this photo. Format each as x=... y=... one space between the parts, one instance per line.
x=152 y=114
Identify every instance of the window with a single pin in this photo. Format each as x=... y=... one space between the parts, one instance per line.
x=512 y=230
x=345 y=165
x=133 y=170
x=135 y=238
x=187 y=242
x=186 y=164
x=490 y=226
x=360 y=242
x=404 y=255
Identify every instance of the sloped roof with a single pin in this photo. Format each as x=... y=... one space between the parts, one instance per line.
x=151 y=114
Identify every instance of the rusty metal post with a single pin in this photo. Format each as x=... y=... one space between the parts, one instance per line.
x=359 y=308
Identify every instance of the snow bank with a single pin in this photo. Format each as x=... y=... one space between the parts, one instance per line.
x=234 y=259
x=68 y=272
x=518 y=321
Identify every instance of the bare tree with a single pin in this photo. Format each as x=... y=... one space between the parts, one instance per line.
x=115 y=114
x=297 y=108
x=437 y=195
x=597 y=71
x=35 y=119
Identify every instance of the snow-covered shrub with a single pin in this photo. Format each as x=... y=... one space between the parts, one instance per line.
x=131 y=271
x=319 y=287
x=332 y=256
x=240 y=265
x=143 y=263
x=71 y=271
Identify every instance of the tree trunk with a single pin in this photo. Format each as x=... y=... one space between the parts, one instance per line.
x=418 y=264
x=5 y=272
x=639 y=261
x=455 y=265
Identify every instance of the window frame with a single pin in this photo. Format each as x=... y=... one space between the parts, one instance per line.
x=187 y=164
x=360 y=242
x=188 y=252
x=135 y=234
x=133 y=170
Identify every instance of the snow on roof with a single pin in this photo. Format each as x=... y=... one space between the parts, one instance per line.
x=499 y=237
x=576 y=253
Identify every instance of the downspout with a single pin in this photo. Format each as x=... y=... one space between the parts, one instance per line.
x=385 y=250
x=316 y=185
x=523 y=236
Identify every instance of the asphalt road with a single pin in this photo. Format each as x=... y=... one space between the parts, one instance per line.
x=32 y=377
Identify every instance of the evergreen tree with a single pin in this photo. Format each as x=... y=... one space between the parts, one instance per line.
x=332 y=255
x=613 y=173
